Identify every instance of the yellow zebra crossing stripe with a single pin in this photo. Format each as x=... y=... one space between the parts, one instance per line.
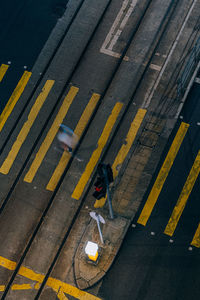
x=182 y=200
x=17 y=287
x=163 y=173
x=97 y=153
x=21 y=287
x=78 y=131
x=51 y=134
x=55 y=284
x=135 y=125
x=8 y=162
x=196 y=239
x=14 y=98
x=61 y=295
x=3 y=70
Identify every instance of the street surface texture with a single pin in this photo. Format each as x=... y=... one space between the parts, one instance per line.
x=150 y=264
x=109 y=70
x=26 y=26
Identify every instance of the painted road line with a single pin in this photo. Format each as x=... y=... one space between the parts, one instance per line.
x=20 y=287
x=14 y=98
x=97 y=153
x=85 y=117
x=135 y=125
x=56 y=285
x=53 y=283
x=24 y=286
x=7 y=164
x=3 y=70
x=51 y=134
x=155 y=67
x=61 y=295
x=196 y=239
x=6 y=263
x=114 y=33
x=162 y=175
x=182 y=200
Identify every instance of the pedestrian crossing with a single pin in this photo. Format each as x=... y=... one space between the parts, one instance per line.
x=185 y=193
x=51 y=134
x=125 y=148
x=8 y=162
x=97 y=153
x=82 y=123
x=47 y=141
x=163 y=173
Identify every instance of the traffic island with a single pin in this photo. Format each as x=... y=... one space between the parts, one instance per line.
x=88 y=272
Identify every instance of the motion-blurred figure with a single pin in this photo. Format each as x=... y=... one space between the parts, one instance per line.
x=67 y=138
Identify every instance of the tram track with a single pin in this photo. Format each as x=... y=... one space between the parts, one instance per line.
x=39 y=80
x=50 y=202
x=38 y=138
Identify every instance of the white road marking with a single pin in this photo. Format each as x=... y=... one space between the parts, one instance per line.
x=148 y=96
x=155 y=67
x=197 y=80
x=117 y=28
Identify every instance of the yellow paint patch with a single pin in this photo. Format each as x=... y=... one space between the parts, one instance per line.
x=78 y=131
x=55 y=284
x=21 y=287
x=6 y=263
x=3 y=70
x=135 y=125
x=182 y=200
x=162 y=176
x=14 y=98
x=97 y=153
x=196 y=239
x=28 y=273
x=7 y=164
x=61 y=295
x=2 y=288
x=51 y=134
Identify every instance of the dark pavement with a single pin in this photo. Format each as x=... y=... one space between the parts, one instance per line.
x=25 y=27
x=150 y=264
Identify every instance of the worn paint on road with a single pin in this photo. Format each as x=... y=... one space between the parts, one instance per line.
x=8 y=162
x=85 y=117
x=53 y=283
x=182 y=200
x=162 y=175
x=97 y=152
x=3 y=70
x=124 y=150
x=51 y=134
x=14 y=98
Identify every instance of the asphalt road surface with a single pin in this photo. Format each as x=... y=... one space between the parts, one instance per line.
x=151 y=264
x=103 y=84
x=25 y=27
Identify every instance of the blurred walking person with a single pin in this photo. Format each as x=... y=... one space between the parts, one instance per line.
x=67 y=138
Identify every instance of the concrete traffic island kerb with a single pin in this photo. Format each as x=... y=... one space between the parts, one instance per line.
x=86 y=272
